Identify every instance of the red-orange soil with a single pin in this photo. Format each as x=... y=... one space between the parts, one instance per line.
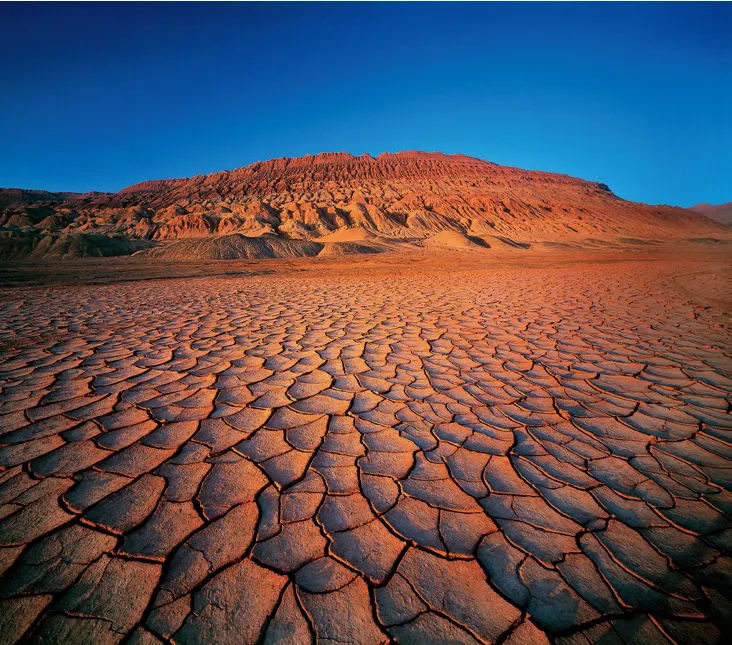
x=411 y=449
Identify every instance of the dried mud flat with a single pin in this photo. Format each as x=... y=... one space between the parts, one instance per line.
x=424 y=453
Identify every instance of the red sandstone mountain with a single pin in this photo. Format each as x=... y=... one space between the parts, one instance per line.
x=338 y=203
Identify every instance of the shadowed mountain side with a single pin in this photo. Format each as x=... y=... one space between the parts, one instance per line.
x=64 y=246
x=10 y=196
x=431 y=199
x=232 y=247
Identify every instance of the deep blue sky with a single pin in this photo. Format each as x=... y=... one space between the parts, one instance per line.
x=638 y=96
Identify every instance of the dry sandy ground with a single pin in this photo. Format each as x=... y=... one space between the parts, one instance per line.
x=389 y=449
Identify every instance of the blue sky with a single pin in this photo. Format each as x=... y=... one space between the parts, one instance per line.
x=636 y=95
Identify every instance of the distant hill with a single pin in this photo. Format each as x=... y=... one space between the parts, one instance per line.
x=339 y=203
x=721 y=213
x=10 y=196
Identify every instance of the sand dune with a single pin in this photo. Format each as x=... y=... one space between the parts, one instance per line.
x=352 y=248
x=454 y=240
x=355 y=234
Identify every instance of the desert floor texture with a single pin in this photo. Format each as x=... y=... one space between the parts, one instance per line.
x=515 y=452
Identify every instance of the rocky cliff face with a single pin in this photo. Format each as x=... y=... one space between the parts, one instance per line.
x=384 y=203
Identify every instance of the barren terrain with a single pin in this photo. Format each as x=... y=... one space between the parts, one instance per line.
x=334 y=204
x=721 y=213
x=413 y=449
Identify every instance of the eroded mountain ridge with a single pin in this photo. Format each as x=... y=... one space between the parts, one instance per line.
x=336 y=202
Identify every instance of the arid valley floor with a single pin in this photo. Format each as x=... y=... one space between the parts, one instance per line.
x=519 y=449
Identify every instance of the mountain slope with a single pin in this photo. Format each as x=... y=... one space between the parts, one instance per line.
x=332 y=198
x=721 y=213
x=10 y=196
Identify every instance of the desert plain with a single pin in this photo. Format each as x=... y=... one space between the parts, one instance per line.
x=419 y=448
x=416 y=398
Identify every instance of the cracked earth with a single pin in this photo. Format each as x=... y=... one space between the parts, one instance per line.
x=507 y=456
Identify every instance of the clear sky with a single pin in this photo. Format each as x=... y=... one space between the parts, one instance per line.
x=638 y=96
